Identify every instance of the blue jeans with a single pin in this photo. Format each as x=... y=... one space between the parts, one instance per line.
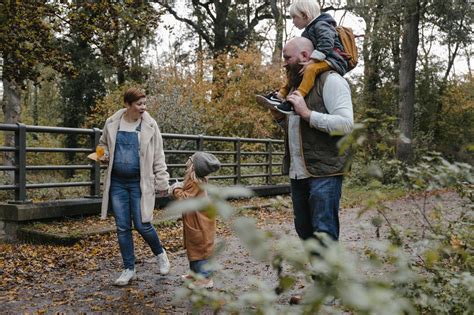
x=197 y=266
x=316 y=205
x=125 y=197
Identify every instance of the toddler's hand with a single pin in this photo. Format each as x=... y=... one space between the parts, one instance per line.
x=173 y=187
x=305 y=65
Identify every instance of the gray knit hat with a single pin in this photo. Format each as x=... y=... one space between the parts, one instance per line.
x=205 y=163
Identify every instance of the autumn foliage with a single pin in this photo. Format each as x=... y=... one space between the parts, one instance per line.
x=234 y=111
x=190 y=101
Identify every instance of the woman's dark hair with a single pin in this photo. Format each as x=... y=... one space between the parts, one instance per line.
x=133 y=94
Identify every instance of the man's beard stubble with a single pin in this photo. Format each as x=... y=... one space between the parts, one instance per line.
x=293 y=74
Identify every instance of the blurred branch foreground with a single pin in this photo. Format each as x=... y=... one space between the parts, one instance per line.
x=423 y=264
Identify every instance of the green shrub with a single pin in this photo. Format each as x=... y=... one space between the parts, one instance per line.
x=437 y=279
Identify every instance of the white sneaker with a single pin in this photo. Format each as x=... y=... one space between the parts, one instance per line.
x=125 y=277
x=163 y=263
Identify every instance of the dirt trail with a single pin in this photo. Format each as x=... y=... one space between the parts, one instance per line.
x=34 y=281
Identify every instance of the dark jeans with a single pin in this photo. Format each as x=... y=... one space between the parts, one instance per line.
x=316 y=205
x=125 y=197
x=198 y=266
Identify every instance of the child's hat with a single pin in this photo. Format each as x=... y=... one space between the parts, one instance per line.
x=205 y=163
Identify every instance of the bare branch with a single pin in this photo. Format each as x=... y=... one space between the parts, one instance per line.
x=189 y=22
x=452 y=56
x=206 y=7
x=257 y=18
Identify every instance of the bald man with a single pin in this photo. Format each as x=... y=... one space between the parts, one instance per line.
x=312 y=158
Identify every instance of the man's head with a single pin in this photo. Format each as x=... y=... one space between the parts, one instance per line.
x=296 y=51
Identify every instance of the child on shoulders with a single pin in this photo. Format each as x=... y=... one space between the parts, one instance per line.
x=328 y=52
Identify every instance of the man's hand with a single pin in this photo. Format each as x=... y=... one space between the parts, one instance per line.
x=299 y=105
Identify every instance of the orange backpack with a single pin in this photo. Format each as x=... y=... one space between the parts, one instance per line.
x=347 y=38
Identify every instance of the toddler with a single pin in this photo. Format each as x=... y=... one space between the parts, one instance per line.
x=328 y=52
x=199 y=229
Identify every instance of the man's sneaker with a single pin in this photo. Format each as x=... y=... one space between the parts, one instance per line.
x=273 y=98
x=269 y=101
x=205 y=283
x=163 y=263
x=125 y=277
x=285 y=108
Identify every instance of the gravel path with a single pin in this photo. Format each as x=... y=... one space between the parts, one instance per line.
x=87 y=287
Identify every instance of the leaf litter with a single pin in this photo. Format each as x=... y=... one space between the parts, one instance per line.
x=78 y=278
x=54 y=275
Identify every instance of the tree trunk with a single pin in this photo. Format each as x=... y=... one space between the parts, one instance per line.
x=276 y=56
x=220 y=26
x=371 y=51
x=11 y=102
x=407 y=80
x=219 y=73
x=468 y=52
x=11 y=107
x=395 y=45
x=452 y=54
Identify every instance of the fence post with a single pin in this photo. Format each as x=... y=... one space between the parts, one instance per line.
x=237 y=162
x=269 y=162
x=20 y=163
x=95 y=170
x=200 y=143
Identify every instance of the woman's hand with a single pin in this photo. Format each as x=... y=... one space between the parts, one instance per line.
x=162 y=193
x=102 y=154
x=104 y=158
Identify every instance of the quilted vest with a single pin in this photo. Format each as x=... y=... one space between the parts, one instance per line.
x=320 y=150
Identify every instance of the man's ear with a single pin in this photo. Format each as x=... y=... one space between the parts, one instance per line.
x=305 y=55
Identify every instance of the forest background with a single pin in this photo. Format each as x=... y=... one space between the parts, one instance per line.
x=67 y=64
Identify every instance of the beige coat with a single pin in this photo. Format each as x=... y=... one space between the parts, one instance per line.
x=153 y=174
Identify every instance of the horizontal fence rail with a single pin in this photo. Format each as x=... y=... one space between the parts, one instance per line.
x=245 y=161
